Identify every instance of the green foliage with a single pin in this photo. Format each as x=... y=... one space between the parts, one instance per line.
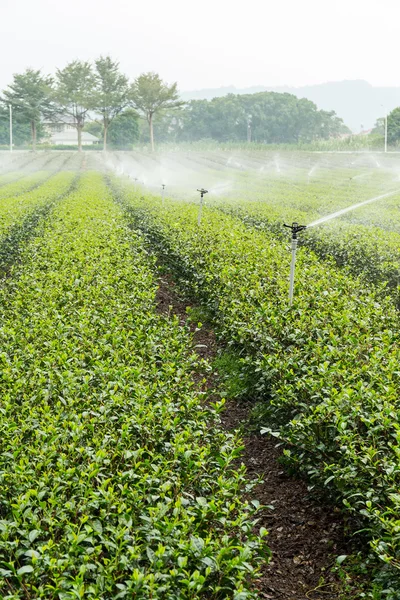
x=63 y=147
x=21 y=187
x=112 y=93
x=123 y=131
x=230 y=369
x=379 y=128
x=75 y=94
x=266 y=117
x=30 y=95
x=21 y=131
x=116 y=480
x=394 y=126
x=361 y=248
x=95 y=128
x=150 y=95
x=308 y=187
x=20 y=215
x=163 y=130
x=74 y=90
x=352 y=143
x=326 y=371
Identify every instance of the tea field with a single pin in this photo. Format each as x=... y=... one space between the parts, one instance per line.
x=117 y=478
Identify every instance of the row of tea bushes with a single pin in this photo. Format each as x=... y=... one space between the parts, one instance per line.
x=326 y=371
x=115 y=480
x=21 y=186
x=20 y=215
x=24 y=181
x=363 y=250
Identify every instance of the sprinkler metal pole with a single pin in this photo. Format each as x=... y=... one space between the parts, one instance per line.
x=292 y=270
x=202 y=192
x=295 y=227
x=163 y=194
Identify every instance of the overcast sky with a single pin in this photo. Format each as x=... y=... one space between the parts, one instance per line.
x=209 y=43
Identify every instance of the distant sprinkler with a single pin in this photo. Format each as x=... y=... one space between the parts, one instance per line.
x=202 y=192
x=163 y=194
x=296 y=228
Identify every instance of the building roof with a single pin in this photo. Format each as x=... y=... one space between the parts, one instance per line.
x=72 y=136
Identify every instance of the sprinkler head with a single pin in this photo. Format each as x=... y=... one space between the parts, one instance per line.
x=202 y=192
x=296 y=228
x=163 y=186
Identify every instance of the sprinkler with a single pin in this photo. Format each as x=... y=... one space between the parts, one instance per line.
x=202 y=192
x=162 y=194
x=296 y=228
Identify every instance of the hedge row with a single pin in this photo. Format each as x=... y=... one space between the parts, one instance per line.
x=326 y=370
x=363 y=250
x=115 y=480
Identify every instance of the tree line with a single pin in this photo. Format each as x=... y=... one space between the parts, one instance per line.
x=83 y=92
x=264 y=117
x=99 y=98
x=393 y=127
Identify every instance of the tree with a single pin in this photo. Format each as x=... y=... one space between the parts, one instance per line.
x=379 y=127
x=95 y=128
x=275 y=119
x=75 y=94
x=150 y=95
x=112 y=92
x=21 y=131
x=195 y=122
x=165 y=127
x=30 y=95
x=123 y=132
x=393 y=126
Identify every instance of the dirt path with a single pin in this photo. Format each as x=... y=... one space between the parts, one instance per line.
x=305 y=536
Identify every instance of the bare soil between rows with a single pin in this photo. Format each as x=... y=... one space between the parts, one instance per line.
x=305 y=533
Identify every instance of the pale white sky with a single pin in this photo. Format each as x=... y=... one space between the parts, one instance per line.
x=209 y=43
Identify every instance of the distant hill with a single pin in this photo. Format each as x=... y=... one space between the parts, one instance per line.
x=357 y=102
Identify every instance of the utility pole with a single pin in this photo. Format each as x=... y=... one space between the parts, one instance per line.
x=11 y=128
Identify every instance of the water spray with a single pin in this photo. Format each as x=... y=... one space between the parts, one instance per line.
x=202 y=192
x=295 y=228
x=343 y=211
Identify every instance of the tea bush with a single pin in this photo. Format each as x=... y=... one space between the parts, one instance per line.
x=326 y=370
x=116 y=480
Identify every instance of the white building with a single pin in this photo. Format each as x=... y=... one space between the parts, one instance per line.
x=70 y=138
x=65 y=134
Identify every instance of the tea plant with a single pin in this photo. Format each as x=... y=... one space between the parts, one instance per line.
x=362 y=249
x=20 y=216
x=115 y=480
x=326 y=371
